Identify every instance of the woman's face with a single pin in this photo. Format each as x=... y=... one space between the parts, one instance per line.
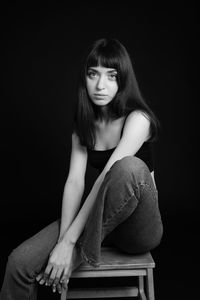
x=101 y=84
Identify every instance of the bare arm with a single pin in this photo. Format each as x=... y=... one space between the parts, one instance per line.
x=136 y=132
x=74 y=186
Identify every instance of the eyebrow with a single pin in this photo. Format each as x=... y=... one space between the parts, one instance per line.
x=110 y=71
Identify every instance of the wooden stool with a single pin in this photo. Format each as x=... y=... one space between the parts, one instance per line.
x=116 y=264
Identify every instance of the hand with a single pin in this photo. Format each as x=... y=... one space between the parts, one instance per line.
x=41 y=281
x=59 y=267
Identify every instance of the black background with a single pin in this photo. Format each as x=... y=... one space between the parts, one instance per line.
x=42 y=48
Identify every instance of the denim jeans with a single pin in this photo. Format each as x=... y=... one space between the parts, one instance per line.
x=125 y=215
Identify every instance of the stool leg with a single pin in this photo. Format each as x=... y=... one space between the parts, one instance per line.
x=141 y=288
x=150 y=285
x=63 y=295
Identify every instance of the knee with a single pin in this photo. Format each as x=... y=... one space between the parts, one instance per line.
x=129 y=165
x=17 y=262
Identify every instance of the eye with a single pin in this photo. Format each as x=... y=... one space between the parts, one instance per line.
x=112 y=76
x=91 y=74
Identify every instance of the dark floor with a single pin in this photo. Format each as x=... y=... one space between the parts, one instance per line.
x=175 y=275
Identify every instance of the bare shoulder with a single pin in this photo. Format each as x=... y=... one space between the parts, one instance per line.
x=75 y=138
x=138 y=116
x=137 y=123
x=76 y=141
x=78 y=160
x=78 y=150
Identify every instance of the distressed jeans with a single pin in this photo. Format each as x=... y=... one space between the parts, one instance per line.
x=125 y=215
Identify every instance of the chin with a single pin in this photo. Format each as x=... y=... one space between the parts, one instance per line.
x=100 y=103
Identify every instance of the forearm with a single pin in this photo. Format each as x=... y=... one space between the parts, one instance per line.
x=79 y=222
x=70 y=205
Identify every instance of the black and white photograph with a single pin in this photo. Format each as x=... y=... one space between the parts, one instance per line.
x=99 y=154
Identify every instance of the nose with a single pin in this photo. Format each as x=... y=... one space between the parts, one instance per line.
x=100 y=83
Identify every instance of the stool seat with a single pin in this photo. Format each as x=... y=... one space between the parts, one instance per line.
x=115 y=263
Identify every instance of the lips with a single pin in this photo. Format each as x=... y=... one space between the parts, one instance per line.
x=100 y=95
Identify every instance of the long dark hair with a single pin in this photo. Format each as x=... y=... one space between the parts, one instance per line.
x=109 y=53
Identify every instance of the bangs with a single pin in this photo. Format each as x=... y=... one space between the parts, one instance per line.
x=105 y=58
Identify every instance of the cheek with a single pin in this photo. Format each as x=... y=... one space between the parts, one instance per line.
x=89 y=87
x=114 y=89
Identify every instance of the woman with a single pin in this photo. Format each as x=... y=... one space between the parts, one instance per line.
x=114 y=130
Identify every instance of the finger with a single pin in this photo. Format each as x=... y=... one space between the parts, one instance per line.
x=55 y=284
x=59 y=288
x=67 y=272
x=52 y=276
x=39 y=276
x=65 y=277
x=56 y=280
x=42 y=281
x=54 y=288
x=65 y=283
x=47 y=272
x=58 y=276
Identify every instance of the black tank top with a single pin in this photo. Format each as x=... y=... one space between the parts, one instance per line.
x=99 y=158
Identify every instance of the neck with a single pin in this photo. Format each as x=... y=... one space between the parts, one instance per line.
x=103 y=114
